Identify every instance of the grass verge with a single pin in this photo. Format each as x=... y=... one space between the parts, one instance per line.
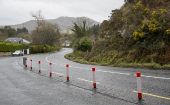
x=154 y=66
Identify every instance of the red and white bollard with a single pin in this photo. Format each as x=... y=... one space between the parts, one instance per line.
x=94 y=79
x=139 y=85
x=39 y=63
x=67 y=71
x=31 y=64
x=50 y=73
x=26 y=64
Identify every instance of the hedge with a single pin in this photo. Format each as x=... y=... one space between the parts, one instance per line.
x=10 y=47
x=42 y=48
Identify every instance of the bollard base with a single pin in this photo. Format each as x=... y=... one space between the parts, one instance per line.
x=68 y=79
x=50 y=74
x=139 y=96
x=39 y=71
x=94 y=85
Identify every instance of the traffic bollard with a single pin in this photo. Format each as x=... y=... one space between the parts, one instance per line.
x=67 y=71
x=94 y=79
x=139 y=85
x=50 y=74
x=31 y=64
x=25 y=62
x=39 y=63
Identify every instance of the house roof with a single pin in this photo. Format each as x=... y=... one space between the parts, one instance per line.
x=15 y=39
x=26 y=41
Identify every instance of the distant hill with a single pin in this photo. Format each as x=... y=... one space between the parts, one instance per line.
x=64 y=23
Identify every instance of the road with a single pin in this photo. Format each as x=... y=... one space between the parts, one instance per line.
x=115 y=86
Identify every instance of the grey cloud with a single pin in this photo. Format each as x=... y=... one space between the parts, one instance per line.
x=18 y=11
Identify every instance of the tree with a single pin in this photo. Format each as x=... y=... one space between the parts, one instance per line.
x=104 y=27
x=45 y=33
x=81 y=30
x=22 y=30
x=39 y=18
x=9 y=31
x=95 y=29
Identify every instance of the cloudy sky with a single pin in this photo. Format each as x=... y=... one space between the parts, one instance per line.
x=19 y=11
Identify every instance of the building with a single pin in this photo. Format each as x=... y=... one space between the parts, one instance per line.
x=18 y=40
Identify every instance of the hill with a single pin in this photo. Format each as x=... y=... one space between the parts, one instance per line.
x=64 y=23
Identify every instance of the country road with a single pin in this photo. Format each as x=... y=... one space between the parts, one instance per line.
x=115 y=86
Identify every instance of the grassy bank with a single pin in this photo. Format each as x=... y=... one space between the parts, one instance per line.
x=80 y=59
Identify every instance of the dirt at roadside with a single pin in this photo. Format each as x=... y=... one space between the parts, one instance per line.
x=4 y=54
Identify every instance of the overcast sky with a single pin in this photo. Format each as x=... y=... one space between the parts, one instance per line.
x=19 y=11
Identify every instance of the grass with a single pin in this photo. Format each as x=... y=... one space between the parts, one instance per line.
x=155 y=66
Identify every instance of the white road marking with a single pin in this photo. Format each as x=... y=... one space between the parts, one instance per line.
x=81 y=79
x=153 y=95
x=60 y=74
x=43 y=69
x=46 y=58
x=155 y=77
x=103 y=71
x=113 y=72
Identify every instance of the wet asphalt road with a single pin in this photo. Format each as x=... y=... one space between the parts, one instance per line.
x=115 y=86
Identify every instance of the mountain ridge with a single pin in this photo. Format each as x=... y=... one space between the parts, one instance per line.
x=65 y=23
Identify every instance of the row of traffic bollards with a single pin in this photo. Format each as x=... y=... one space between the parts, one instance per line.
x=138 y=75
x=25 y=63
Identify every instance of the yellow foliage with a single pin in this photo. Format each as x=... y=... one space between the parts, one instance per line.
x=137 y=35
x=163 y=11
x=168 y=31
x=154 y=13
x=153 y=25
x=139 y=5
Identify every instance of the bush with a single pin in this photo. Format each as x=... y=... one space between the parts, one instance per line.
x=42 y=48
x=84 y=44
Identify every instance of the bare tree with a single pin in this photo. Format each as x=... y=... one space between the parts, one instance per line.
x=39 y=18
x=45 y=33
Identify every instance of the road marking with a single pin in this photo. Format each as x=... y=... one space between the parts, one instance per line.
x=42 y=69
x=60 y=74
x=112 y=72
x=46 y=58
x=81 y=79
x=153 y=95
x=155 y=77
x=128 y=74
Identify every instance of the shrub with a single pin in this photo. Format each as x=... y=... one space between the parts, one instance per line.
x=84 y=44
x=43 y=48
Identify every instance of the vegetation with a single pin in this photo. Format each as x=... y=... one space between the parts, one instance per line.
x=11 y=47
x=46 y=37
x=84 y=36
x=46 y=34
x=42 y=48
x=8 y=31
x=137 y=33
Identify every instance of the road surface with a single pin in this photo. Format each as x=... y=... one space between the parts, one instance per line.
x=115 y=86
